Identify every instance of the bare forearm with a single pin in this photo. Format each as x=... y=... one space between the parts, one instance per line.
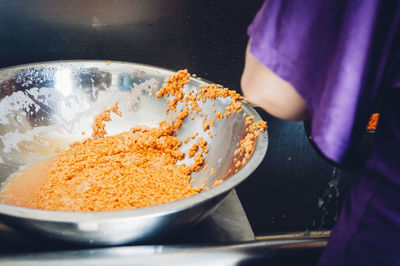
x=264 y=88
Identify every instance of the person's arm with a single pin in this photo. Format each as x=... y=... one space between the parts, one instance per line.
x=264 y=88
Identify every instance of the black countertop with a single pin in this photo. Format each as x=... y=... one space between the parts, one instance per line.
x=208 y=38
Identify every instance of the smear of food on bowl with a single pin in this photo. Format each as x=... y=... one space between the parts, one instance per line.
x=136 y=168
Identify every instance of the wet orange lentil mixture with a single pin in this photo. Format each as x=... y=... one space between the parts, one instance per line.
x=138 y=168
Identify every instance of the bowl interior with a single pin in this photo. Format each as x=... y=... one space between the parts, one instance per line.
x=53 y=104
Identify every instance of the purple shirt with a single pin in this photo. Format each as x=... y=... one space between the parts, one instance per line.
x=339 y=55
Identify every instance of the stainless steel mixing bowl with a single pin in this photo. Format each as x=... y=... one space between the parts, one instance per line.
x=56 y=101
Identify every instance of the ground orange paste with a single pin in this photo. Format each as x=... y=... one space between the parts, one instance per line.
x=137 y=168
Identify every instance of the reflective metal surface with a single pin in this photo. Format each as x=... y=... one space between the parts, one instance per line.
x=227 y=224
x=272 y=252
x=54 y=102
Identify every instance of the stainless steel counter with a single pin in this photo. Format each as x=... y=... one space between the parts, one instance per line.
x=282 y=252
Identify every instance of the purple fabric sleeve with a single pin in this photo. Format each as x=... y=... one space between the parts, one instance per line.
x=323 y=48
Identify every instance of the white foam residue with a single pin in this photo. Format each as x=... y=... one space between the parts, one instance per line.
x=44 y=95
x=12 y=138
x=137 y=91
x=68 y=109
x=14 y=103
x=19 y=119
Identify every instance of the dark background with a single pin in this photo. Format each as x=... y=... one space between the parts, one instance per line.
x=209 y=39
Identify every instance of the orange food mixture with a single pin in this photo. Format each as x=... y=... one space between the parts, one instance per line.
x=138 y=168
x=130 y=170
x=373 y=121
x=247 y=143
